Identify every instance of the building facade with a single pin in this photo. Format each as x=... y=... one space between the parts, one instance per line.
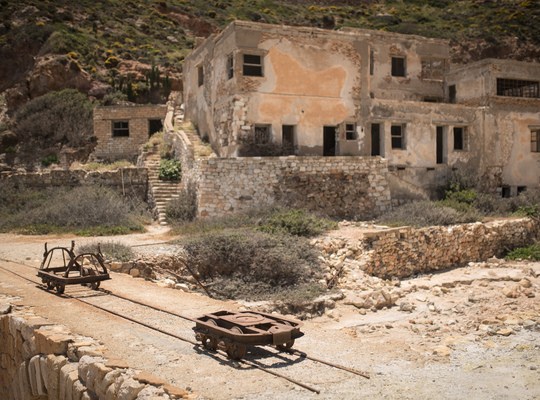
x=122 y=130
x=257 y=89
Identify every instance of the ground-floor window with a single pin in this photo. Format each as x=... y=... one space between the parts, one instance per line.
x=120 y=128
x=459 y=138
x=535 y=140
x=397 y=133
x=261 y=134
x=350 y=132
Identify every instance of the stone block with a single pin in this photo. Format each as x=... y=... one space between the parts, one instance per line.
x=129 y=389
x=37 y=384
x=52 y=341
x=67 y=376
x=152 y=393
x=96 y=373
x=54 y=365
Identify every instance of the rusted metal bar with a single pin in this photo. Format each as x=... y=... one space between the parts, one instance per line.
x=342 y=367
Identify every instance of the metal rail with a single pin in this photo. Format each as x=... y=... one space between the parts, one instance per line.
x=290 y=351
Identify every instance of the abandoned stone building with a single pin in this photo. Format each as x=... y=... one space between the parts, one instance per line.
x=122 y=130
x=258 y=90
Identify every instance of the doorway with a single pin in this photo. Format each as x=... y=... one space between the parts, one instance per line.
x=375 y=139
x=440 y=145
x=329 y=141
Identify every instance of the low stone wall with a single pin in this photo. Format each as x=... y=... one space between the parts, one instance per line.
x=39 y=361
x=131 y=181
x=403 y=252
x=337 y=186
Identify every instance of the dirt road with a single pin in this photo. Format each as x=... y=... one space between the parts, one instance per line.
x=472 y=332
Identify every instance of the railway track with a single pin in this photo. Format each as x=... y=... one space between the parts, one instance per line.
x=179 y=326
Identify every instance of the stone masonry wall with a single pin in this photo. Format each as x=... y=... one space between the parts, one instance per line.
x=403 y=252
x=337 y=186
x=131 y=181
x=114 y=148
x=42 y=361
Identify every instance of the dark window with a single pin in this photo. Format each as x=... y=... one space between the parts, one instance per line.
x=261 y=134
x=371 y=62
x=350 y=132
x=120 y=128
x=459 y=138
x=433 y=69
x=398 y=137
x=200 y=75
x=452 y=93
x=376 y=139
x=439 y=145
x=252 y=65
x=521 y=189
x=517 y=88
x=230 y=66
x=535 y=140
x=506 y=192
x=154 y=125
x=398 y=66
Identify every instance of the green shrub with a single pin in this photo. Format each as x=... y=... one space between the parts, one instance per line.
x=49 y=160
x=249 y=264
x=525 y=253
x=170 y=170
x=427 y=213
x=467 y=196
x=86 y=210
x=113 y=251
x=295 y=222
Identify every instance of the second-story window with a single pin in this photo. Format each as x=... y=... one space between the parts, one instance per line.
x=535 y=140
x=398 y=66
x=350 y=132
x=200 y=75
x=459 y=138
x=252 y=65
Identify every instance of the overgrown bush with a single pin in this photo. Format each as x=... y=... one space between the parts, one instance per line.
x=249 y=264
x=295 y=222
x=183 y=208
x=170 y=170
x=427 y=213
x=56 y=117
x=113 y=251
x=525 y=253
x=89 y=210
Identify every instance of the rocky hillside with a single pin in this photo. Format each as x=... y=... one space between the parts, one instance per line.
x=133 y=50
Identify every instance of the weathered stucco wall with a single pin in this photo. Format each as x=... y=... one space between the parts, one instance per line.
x=43 y=361
x=131 y=181
x=341 y=186
x=109 y=147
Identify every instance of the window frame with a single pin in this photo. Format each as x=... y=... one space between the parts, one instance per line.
x=518 y=88
x=200 y=75
x=398 y=70
x=121 y=131
x=246 y=66
x=535 y=140
x=350 y=131
x=400 y=136
x=229 y=66
x=257 y=137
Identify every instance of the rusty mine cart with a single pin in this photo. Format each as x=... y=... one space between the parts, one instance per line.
x=87 y=269
x=233 y=332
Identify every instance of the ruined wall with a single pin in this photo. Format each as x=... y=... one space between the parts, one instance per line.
x=109 y=147
x=408 y=251
x=131 y=181
x=341 y=186
x=43 y=361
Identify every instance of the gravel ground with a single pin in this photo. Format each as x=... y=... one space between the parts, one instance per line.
x=471 y=332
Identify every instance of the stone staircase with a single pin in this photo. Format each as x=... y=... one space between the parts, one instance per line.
x=162 y=191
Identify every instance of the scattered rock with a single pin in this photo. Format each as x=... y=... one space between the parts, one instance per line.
x=505 y=332
x=443 y=351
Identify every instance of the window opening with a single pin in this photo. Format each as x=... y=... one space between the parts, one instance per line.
x=350 y=132
x=261 y=134
x=371 y=62
x=120 y=128
x=517 y=88
x=200 y=75
x=521 y=189
x=398 y=137
x=506 y=192
x=535 y=140
x=252 y=65
x=230 y=66
x=459 y=138
x=452 y=93
x=329 y=141
x=398 y=66
x=440 y=145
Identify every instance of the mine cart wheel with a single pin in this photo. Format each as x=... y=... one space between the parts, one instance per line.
x=60 y=287
x=211 y=342
x=236 y=351
x=94 y=285
x=50 y=285
x=286 y=346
